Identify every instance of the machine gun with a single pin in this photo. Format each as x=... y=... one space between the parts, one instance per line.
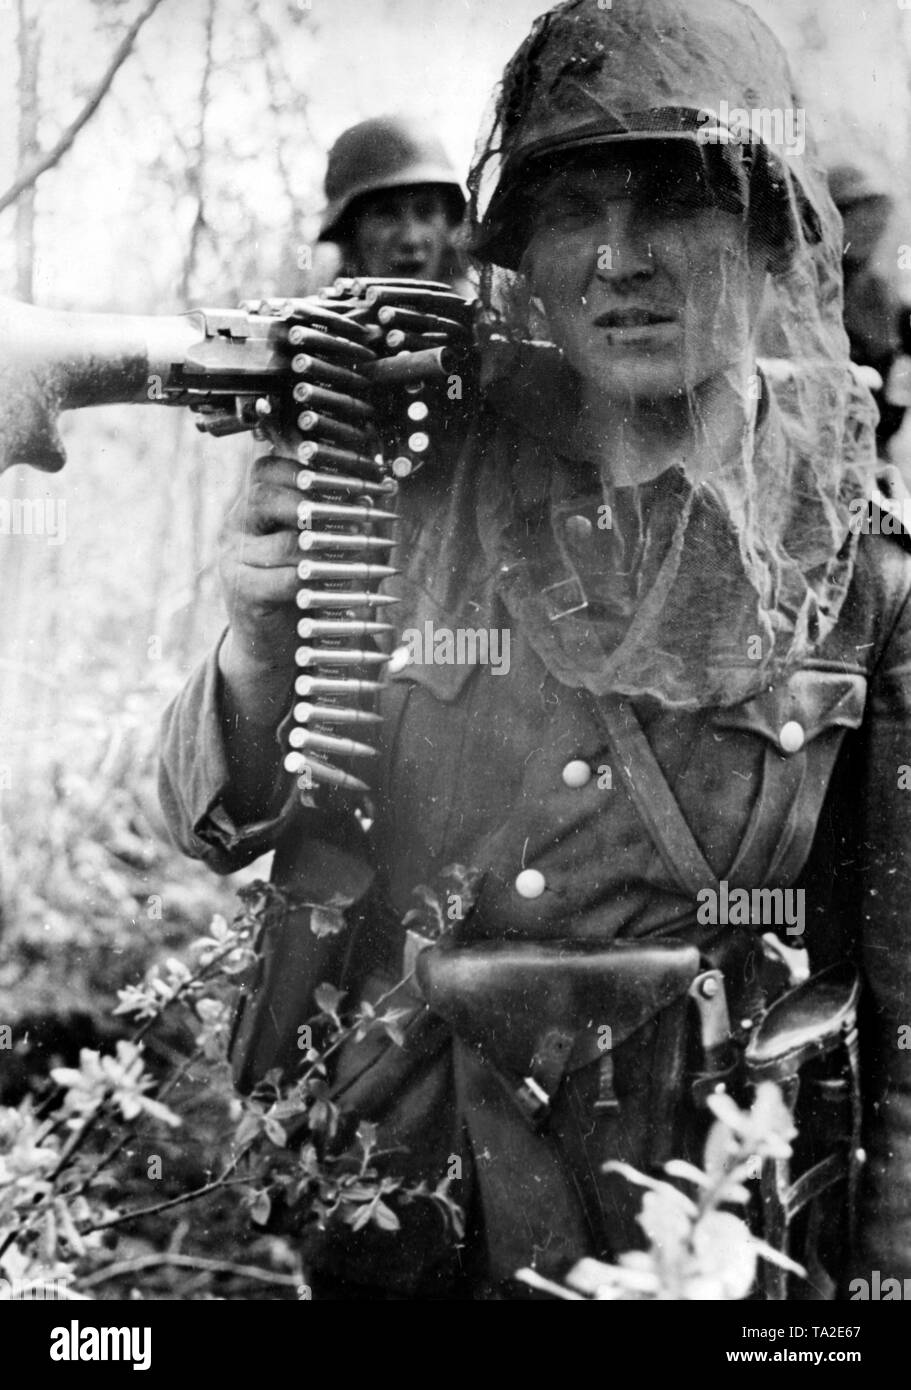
x=220 y=362
x=348 y=383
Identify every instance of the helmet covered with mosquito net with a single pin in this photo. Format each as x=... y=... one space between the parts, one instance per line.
x=643 y=194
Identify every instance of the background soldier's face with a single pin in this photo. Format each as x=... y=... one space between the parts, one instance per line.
x=865 y=224
x=648 y=287
x=403 y=232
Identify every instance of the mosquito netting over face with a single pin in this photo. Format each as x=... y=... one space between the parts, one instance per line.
x=644 y=195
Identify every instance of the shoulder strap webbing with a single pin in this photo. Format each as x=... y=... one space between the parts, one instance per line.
x=652 y=796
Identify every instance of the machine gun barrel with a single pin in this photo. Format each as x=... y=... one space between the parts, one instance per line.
x=222 y=362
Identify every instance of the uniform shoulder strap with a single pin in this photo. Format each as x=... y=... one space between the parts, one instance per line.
x=652 y=795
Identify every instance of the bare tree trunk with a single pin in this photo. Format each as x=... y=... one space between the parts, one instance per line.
x=184 y=627
x=18 y=558
x=28 y=46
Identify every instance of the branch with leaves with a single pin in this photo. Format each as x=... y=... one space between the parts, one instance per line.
x=696 y=1249
x=56 y=1161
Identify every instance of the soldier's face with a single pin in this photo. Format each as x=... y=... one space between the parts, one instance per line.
x=648 y=287
x=403 y=232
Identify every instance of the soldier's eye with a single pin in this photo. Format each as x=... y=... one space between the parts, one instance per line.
x=689 y=191
x=565 y=207
x=425 y=208
x=380 y=214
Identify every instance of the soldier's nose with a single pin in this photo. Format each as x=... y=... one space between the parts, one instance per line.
x=412 y=232
x=624 y=250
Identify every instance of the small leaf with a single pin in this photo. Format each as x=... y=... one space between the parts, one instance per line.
x=666 y=1223
x=275 y=1131
x=724 y=1251
x=391 y=1026
x=678 y=1168
x=728 y=1112
x=720 y=1148
x=643 y=1180
x=360 y=1217
x=261 y=1208
x=385 y=1217
x=248 y=1129
x=366 y=1135
x=327 y=999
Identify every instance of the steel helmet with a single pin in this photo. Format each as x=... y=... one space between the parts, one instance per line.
x=384 y=152
x=647 y=70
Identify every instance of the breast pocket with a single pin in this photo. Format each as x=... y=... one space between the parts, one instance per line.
x=810 y=703
x=800 y=724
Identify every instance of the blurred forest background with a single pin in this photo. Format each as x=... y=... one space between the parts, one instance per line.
x=182 y=145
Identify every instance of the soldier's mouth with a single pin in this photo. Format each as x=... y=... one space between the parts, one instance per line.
x=633 y=318
x=638 y=330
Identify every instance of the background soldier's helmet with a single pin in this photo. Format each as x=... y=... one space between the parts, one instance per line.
x=385 y=152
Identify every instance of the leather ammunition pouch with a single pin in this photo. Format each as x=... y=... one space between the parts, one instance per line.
x=539 y=1011
x=565 y=1053
x=540 y=1017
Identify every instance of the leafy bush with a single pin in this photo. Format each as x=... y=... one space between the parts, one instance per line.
x=696 y=1250
x=59 y=1159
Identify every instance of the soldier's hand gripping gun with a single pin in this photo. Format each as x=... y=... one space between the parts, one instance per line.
x=348 y=383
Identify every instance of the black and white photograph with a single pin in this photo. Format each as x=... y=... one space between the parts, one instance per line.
x=455 y=662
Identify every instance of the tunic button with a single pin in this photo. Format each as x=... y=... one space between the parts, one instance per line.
x=530 y=884
x=399 y=659
x=792 y=737
x=577 y=773
x=578 y=528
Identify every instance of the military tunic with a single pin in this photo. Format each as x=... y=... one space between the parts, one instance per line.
x=514 y=774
